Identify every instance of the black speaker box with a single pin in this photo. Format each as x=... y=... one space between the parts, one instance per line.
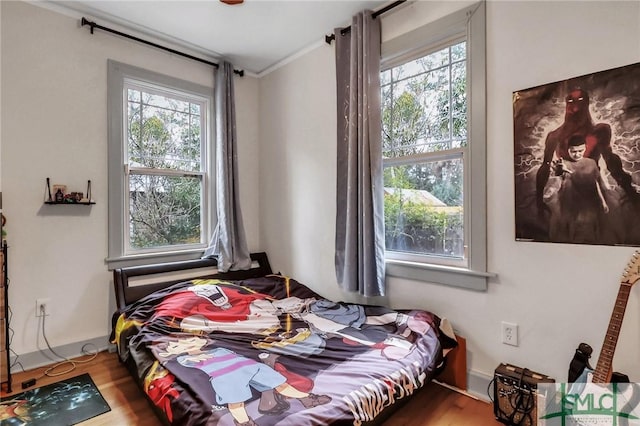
x=515 y=395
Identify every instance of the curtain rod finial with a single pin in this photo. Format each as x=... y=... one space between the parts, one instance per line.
x=84 y=21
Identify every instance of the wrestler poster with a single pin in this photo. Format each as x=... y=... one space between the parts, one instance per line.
x=577 y=159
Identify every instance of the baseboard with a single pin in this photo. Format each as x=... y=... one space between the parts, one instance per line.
x=32 y=360
x=478 y=384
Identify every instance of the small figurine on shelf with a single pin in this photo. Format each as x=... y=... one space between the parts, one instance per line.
x=59 y=196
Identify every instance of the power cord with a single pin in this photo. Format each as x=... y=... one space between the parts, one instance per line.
x=72 y=363
x=11 y=334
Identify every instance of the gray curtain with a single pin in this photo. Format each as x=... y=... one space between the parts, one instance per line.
x=359 y=254
x=228 y=243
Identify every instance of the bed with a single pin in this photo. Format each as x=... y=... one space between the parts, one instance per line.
x=257 y=348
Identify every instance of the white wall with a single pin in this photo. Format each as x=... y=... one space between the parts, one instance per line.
x=54 y=115
x=559 y=294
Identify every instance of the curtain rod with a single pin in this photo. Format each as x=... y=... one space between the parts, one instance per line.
x=329 y=38
x=93 y=25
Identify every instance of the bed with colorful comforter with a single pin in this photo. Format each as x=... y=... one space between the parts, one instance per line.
x=269 y=351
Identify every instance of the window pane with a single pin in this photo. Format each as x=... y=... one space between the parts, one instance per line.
x=424 y=104
x=423 y=208
x=459 y=103
x=421 y=65
x=435 y=60
x=458 y=51
x=459 y=132
x=134 y=113
x=408 y=69
x=403 y=118
x=436 y=102
x=385 y=77
x=164 y=137
x=165 y=102
x=133 y=95
x=164 y=211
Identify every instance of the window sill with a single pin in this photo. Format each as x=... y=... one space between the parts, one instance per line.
x=440 y=274
x=148 y=258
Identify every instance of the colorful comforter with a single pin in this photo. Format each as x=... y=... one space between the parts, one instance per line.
x=270 y=351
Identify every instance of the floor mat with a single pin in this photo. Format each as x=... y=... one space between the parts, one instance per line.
x=63 y=403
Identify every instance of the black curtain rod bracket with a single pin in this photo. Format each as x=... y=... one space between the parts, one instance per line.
x=93 y=25
x=329 y=38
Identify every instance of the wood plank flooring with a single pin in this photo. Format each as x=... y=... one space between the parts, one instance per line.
x=433 y=406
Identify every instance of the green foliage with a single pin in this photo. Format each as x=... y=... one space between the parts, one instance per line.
x=419 y=228
x=402 y=125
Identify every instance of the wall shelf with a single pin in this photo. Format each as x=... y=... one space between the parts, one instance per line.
x=59 y=195
x=69 y=203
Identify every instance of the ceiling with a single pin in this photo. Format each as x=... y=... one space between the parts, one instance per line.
x=254 y=35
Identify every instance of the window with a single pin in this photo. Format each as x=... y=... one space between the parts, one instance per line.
x=432 y=84
x=424 y=118
x=158 y=161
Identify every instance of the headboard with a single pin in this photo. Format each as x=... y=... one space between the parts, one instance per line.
x=135 y=282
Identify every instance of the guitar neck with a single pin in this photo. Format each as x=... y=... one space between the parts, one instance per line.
x=602 y=373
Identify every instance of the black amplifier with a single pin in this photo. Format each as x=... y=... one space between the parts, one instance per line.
x=515 y=395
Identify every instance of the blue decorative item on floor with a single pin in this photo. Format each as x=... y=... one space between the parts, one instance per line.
x=64 y=403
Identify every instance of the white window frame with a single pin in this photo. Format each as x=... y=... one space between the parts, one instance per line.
x=120 y=77
x=466 y=24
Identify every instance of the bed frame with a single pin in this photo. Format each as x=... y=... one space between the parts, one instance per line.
x=133 y=283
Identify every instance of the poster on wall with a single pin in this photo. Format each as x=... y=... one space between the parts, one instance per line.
x=577 y=159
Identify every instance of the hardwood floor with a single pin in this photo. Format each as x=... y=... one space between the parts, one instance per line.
x=433 y=406
x=436 y=405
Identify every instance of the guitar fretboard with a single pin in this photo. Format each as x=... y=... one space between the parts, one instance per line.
x=602 y=374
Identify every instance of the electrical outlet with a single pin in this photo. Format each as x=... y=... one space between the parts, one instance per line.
x=509 y=333
x=42 y=307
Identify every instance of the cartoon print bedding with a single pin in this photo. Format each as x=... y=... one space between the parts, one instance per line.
x=269 y=351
